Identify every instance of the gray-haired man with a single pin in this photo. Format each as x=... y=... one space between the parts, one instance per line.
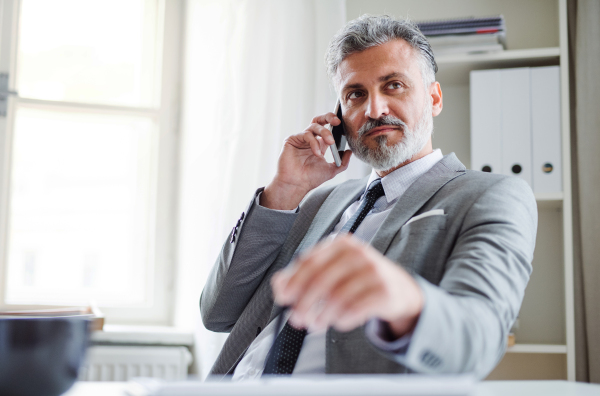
x=434 y=272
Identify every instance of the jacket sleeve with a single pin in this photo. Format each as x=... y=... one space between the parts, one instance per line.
x=464 y=325
x=246 y=256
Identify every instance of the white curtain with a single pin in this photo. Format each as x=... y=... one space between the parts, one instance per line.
x=253 y=74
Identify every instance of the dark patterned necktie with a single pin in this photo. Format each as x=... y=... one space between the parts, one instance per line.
x=284 y=353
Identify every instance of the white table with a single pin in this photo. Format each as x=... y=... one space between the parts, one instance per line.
x=536 y=388
x=486 y=388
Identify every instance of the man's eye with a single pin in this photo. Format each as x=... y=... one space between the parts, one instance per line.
x=354 y=95
x=394 y=85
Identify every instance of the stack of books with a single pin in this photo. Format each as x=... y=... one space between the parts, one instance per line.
x=91 y=312
x=465 y=35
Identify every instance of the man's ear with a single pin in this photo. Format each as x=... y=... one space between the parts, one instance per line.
x=436 y=98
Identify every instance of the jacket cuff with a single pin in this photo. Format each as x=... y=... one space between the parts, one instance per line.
x=257 y=202
x=378 y=333
x=263 y=221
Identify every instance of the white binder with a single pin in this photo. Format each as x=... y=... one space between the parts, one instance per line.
x=516 y=123
x=545 y=129
x=486 y=140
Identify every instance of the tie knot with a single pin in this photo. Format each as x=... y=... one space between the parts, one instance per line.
x=373 y=193
x=375 y=190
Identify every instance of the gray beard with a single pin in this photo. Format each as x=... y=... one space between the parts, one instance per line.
x=384 y=157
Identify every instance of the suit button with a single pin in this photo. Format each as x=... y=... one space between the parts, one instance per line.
x=233 y=234
x=431 y=359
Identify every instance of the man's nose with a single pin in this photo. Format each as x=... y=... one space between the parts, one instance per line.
x=377 y=107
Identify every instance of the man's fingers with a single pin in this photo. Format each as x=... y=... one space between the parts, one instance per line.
x=336 y=284
x=319 y=130
x=320 y=286
x=314 y=144
x=291 y=282
x=359 y=311
x=328 y=118
x=345 y=294
x=323 y=143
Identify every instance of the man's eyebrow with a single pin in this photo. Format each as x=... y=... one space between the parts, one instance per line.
x=392 y=75
x=352 y=86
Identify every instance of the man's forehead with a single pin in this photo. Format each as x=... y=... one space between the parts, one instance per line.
x=394 y=59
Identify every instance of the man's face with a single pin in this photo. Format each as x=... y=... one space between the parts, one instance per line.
x=387 y=109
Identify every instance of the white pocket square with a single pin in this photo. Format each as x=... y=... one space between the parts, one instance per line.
x=434 y=212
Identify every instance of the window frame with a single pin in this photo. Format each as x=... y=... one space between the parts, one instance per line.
x=158 y=308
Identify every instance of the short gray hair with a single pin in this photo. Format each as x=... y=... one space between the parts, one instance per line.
x=369 y=31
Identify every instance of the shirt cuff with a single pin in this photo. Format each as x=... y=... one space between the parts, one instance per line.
x=379 y=334
x=257 y=202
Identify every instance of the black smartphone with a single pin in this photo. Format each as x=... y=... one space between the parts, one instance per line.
x=339 y=135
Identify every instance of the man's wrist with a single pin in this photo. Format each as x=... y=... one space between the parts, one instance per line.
x=401 y=327
x=407 y=323
x=379 y=334
x=282 y=196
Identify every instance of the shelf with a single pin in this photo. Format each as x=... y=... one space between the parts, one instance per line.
x=454 y=69
x=507 y=55
x=549 y=196
x=549 y=200
x=537 y=348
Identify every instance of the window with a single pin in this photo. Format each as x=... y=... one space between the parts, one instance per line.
x=88 y=179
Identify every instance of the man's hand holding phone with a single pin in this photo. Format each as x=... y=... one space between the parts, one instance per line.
x=302 y=165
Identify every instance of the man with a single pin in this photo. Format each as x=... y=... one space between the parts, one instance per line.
x=420 y=267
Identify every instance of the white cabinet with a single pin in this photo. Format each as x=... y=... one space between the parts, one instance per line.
x=536 y=35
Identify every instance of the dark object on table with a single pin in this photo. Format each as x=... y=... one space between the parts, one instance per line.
x=41 y=356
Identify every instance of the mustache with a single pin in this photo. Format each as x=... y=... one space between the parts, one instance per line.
x=385 y=120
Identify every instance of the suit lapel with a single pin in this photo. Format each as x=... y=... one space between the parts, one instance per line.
x=415 y=197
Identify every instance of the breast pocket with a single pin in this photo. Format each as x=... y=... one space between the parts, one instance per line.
x=418 y=247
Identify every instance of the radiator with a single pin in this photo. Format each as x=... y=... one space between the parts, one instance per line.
x=120 y=363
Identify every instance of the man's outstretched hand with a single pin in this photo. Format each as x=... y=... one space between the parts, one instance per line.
x=343 y=283
x=302 y=166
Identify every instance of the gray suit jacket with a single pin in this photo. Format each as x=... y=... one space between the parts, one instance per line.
x=472 y=263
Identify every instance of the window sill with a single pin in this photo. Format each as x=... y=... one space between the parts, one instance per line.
x=142 y=335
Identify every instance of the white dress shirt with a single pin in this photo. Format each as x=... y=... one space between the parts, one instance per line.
x=312 y=355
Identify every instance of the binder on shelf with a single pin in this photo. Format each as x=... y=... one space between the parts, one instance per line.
x=516 y=123
x=486 y=138
x=545 y=129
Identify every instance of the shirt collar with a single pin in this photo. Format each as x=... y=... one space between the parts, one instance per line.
x=397 y=182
